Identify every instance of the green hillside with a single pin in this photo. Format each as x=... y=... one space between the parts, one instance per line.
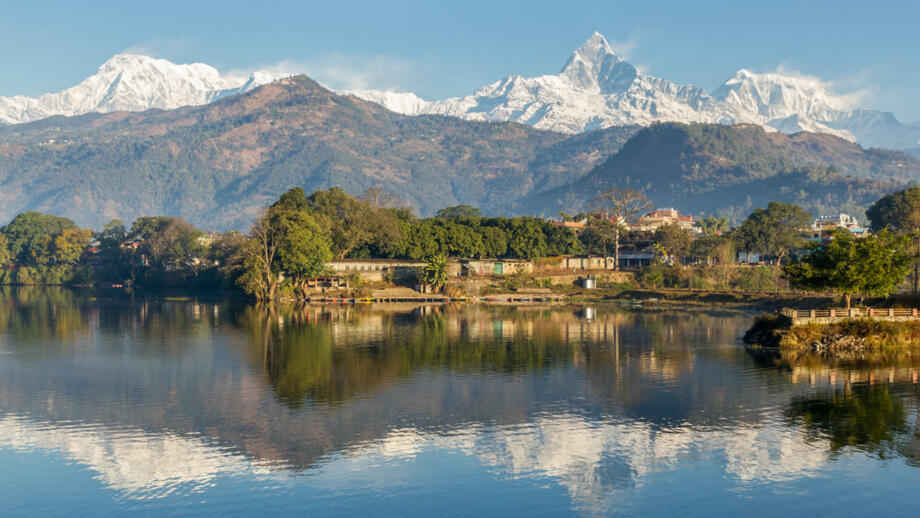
x=731 y=169
x=217 y=164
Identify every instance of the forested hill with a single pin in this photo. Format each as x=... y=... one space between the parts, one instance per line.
x=731 y=169
x=217 y=164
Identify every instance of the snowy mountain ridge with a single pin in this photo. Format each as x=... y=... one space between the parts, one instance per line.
x=595 y=89
x=131 y=82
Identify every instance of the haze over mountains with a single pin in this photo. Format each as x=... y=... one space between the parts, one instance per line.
x=595 y=89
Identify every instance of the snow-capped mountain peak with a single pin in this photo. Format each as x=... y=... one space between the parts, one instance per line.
x=132 y=82
x=775 y=95
x=595 y=89
x=595 y=67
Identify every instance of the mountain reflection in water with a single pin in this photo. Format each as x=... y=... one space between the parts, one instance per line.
x=167 y=401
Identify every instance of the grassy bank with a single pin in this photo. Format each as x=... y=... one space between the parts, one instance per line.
x=847 y=336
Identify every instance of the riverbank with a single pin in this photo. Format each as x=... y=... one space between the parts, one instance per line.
x=833 y=338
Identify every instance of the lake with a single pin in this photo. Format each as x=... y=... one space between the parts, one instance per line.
x=114 y=404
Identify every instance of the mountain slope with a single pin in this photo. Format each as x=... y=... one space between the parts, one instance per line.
x=217 y=164
x=732 y=169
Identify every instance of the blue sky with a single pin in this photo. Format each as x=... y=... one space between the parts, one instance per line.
x=440 y=49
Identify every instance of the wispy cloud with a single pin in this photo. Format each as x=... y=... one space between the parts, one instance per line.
x=848 y=92
x=349 y=72
x=159 y=47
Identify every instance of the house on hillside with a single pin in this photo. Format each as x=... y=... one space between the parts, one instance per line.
x=658 y=217
x=821 y=228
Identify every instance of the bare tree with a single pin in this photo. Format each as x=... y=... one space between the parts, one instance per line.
x=381 y=198
x=621 y=205
x=259 y=277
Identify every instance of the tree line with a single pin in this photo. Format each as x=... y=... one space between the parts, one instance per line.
x=293 y=239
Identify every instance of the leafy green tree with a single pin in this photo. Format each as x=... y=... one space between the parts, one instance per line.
x=5 y=256
x=599 y=233
x=353 y=223
x=672 y=240
x=713 y=226
x=874 y=265
x=713 y=250
x=31 y=234
x=304 y=246
x=169 y=243
x=774 y=231
x=900 y=212
x=71 y=244
x=621 y=205
x=459 y=211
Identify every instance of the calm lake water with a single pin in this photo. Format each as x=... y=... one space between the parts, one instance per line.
x=112 y=405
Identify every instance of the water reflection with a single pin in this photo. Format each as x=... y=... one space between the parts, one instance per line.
x=164 y=398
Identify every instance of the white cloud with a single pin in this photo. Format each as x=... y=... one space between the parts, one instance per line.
x=849 y=92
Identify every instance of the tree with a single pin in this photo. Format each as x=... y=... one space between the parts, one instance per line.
x=30 y=237
x=874 y=265
x=303 y=249
x=71 y=244
x=713 y=226
x=900 y=212
x=621 y=205
x=458 y=211
x=5 y=256
x=258 y=275
x=672 y=240
x=599 y=233
x=380 y=198
x=713 y=250
x=775 y=230
x=353 y=223
x=436 y=272
x=169 y=243
x=286 y=238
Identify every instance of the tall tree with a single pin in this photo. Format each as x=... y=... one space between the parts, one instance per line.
x=71 y=244
x=621 y=205
x=353 y=223
x=303 y=249
x=380 y=198
x=599 y=233
x=775 y=230
x=900 y=212
x=713 y=226
x=672 y=240
x=874 y=265
x=5 y=256
x=30 y=236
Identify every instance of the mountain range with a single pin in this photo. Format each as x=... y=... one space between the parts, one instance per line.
x=217 y=163
x=595 y=89
x=131 y=82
